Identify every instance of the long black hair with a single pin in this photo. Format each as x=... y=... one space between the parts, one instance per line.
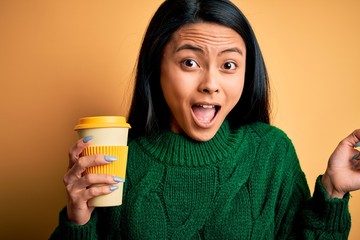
x=149 y=111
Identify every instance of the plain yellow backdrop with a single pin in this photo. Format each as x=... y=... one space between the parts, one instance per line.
x=62 y=60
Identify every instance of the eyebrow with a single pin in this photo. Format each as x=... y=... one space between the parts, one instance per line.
x=197 y=49
x=189 y=47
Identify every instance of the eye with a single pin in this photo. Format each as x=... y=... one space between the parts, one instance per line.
x=190 y=63
x=230 y=66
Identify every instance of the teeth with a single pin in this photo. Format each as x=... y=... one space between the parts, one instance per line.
x=206 y=106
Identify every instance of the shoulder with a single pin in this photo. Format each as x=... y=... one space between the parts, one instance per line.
x=275 y=151
x=264 y=131
x=271 y=141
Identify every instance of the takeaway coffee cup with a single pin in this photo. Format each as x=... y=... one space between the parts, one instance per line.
x=110 y=135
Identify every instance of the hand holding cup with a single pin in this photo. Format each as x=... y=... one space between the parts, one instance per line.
x=97 y=166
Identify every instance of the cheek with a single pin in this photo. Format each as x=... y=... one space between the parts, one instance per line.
x=169 y=89
x=232 y=101
x=235 y=91
x=172 y=90
x=176 y=85
x=238 y=91
x=166 y=83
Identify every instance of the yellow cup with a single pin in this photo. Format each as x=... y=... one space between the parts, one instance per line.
x=110 y=138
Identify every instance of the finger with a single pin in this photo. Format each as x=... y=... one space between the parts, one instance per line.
x=355 y=159
x=95 y=191
x=356 y=156
x=76 y=150
x=92 y=185
x=79 y=167
x=356 y=165
x=354 y=138
x=91 y=179
x=347 y=145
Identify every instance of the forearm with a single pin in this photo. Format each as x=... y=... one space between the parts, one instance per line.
x=318 y=217
x=325 y=216
x=68 y=231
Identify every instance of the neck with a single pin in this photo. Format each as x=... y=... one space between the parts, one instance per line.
x=180 y=150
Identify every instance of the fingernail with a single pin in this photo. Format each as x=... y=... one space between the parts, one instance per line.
x=118 y=179
x=357 y=144
x=113 y=188
x=355 y=156
x=110 y=158
x=88 y=138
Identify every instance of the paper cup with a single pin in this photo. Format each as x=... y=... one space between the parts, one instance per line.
x=110 y=138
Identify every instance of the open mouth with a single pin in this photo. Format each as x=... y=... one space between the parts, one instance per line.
x=205 y=113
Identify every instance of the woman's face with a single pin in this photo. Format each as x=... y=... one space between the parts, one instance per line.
x=202 y=77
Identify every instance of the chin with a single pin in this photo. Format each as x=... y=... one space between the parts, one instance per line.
x=201 y=133
x=202 y=136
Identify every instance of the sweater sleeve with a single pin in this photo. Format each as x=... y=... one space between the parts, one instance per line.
x=67 y=230
x=300 y=216
x=316 y=217
x=325 y=218
x=105 y=223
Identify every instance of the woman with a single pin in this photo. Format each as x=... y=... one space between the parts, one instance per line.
x=204 y=163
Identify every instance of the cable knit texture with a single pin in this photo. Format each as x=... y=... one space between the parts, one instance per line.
x=242 y=184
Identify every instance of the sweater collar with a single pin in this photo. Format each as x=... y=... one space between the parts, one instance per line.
x=180 y=150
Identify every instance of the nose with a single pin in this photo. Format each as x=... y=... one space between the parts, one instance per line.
x=209 y=83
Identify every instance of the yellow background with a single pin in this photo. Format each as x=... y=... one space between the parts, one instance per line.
x=61 y=60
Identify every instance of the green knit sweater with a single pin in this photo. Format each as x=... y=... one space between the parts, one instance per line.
x=242 y=184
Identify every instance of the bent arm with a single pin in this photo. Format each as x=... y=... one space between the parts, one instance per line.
x=316 y=217
x=66 y=230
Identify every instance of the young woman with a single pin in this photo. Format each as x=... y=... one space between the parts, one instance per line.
x=203 y=162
